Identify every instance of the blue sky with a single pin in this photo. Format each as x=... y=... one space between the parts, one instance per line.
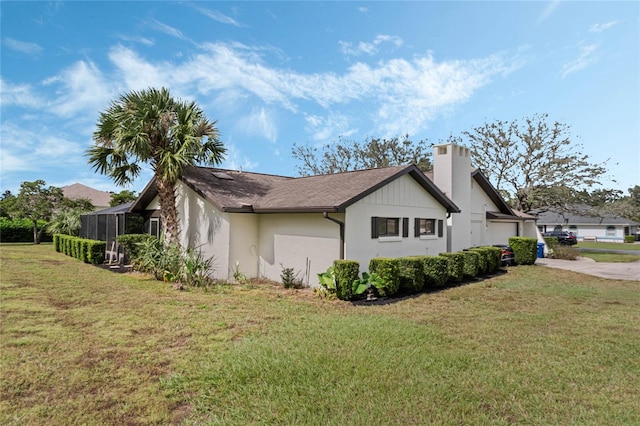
x=277 y=73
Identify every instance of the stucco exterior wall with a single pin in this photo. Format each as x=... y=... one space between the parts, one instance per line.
x=452 y=174
x=402 y=198
x=306 y=242
x=204 y=227
x=243 y=244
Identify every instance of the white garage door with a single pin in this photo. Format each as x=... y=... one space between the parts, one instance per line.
x=500 y=232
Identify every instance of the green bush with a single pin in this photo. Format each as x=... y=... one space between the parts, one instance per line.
x=436 y=271
x=525 y=250
x=471 y=263
x=387 y=270
x=494 y=258
x=21 y=231
x=131 y=244
x=88 y=251
x=629 y=238
x=455 y=266
x=346 y=272
x=484 y=259
x=411 y=274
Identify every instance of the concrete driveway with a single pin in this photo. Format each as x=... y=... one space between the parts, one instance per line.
x=616 y=271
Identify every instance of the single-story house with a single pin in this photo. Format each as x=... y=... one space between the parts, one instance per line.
x=586 y=224
x=259 y=224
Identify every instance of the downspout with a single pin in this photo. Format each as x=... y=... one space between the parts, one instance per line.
x=341 y=224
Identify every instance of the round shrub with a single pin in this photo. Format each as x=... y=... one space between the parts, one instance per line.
x=388 y=271
x=525 y=250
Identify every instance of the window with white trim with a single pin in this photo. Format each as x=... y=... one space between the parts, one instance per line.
x=611 y=231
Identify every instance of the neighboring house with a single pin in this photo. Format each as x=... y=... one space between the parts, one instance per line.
x=586 y=224
x=261 y=224
x=77 y=191
x=485 y=218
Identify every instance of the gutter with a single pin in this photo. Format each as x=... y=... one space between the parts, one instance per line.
x=341 y=224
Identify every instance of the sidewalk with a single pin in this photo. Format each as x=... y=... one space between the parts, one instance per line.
x=616 y=271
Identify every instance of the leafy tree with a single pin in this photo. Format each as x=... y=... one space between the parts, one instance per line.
x=533 y=160
x=627 y=207
x=37 y=203
x=348 y=155
x=152 y=127
x=65 y=221
x=122 y=197
x=7 y=203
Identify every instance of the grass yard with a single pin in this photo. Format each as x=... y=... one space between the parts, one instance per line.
x=610 y=257
x=82 y=345
x=607 y=246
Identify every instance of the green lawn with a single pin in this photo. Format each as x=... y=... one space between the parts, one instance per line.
x=81 y=345
x=610 y=257
x=607 y=246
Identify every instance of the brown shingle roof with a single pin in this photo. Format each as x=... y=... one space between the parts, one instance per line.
x=234 y=191
x=78 y=191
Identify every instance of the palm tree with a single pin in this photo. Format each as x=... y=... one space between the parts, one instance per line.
x=151 y=127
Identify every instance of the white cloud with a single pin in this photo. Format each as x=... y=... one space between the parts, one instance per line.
x=20 y=95
x=169 y=30
x=587 y=57
x=598 y=28
x=136 y=73
x=22 y=46
x=327 y=128
x=218 y=16
x=83 y=90
x=369 y=48
x=259 y=123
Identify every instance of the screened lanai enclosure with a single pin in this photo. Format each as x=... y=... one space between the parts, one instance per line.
x=107 y=224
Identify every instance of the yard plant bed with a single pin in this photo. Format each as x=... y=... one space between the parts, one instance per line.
x=82 y=345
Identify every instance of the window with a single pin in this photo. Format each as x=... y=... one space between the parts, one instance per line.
x=425 y=227
x=385 y=227
x=442 y=150
x=154 y=226
x=611 y=231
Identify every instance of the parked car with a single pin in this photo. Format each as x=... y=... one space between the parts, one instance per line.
x=564 y=237
x=508 y=258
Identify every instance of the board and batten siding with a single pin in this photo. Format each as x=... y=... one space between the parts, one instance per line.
x=401 y=198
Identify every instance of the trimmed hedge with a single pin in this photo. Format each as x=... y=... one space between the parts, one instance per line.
x=525 y=250
x=388 y=271
x=89 y=251
x=471 y=263
x=411 y=274
x=455 y=266
x=436 y=271
x=346 y=272
x=21 y=231
x=484 y=259
x=131 y=244
x=629 y=238
x=494 y=258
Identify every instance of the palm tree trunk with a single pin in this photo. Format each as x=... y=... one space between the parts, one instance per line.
x=168 y=210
